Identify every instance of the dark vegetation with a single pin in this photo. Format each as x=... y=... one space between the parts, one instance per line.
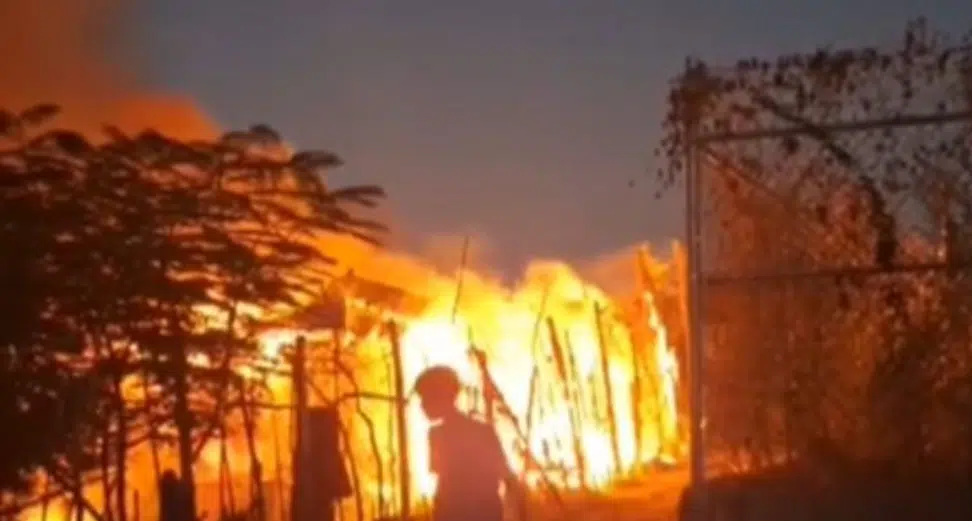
x=839 y=361
x=109 y=250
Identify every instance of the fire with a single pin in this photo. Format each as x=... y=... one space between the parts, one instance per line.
x=587 y=388
x=557 y=419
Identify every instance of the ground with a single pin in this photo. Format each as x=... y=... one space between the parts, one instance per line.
x=653 y=497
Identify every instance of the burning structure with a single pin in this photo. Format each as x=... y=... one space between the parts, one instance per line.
x=580 y=385
x=581 y=389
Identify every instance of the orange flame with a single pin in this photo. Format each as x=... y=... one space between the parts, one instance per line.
x=510 y=328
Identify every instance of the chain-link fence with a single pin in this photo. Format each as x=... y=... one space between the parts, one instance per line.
x=829 y=201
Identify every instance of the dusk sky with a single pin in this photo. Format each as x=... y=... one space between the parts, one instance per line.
x=516 y=121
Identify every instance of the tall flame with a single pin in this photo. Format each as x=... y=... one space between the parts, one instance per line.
x=555 y=415
x=544 y=344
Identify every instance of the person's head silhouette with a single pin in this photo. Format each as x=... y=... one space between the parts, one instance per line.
x=438 y=389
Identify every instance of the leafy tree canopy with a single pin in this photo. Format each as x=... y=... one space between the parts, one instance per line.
x=142 y=255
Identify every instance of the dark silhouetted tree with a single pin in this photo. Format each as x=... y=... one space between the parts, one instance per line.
x=144 y=258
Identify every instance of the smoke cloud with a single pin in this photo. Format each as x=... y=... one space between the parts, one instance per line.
x=58 y=51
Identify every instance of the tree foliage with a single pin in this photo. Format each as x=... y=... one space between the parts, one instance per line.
x=841 y=337
x=141 y=258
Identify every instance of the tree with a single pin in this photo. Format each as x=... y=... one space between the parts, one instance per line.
x=143 y=258
x=37 y=333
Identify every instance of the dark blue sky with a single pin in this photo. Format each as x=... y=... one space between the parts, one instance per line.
x=519 y=121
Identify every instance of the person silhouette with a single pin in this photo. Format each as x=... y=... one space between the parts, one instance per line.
x=465 y=454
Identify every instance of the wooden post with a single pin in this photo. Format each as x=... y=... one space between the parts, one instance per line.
x=504 y=409
x=527 y=438
x=278 y=467
x=257 y=497
x=636 y=396
x=299 y=391
x=532 y=398
x=608 y=389
x=46 y=501
x=681 y=270
x=173 y=500
x=153 y=431
x=221 y=478
x=537 y=356
x=489 y=389
x=404 y=465
x=560 y=362
x=300 y=500
x=579 y=403
x=460 y=277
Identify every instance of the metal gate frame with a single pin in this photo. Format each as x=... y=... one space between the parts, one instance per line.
x=699 y=277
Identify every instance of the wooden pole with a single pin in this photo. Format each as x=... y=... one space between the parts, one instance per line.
x=489 y=389
x=298 y=496
x=106 y=488
x=390 y=431
x=578 y=406
x=78 y=498
x=504 y=409
x=46 y=501
x=608 y=388
x=121 y=451
x=153 y=432
x=636 y=396
x=532 y=397
x=221 y=477
x=404 y=465
x=257 y=497
x=278 y=466
x=693 y=236
x=460 y=278
x=531 y=407
x=226 y=475
x=535 y=374
x=561 y=364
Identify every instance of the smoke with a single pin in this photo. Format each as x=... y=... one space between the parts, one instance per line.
x=447 y=254
x=67 y=52
x=616 y=272
x=59 y=51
